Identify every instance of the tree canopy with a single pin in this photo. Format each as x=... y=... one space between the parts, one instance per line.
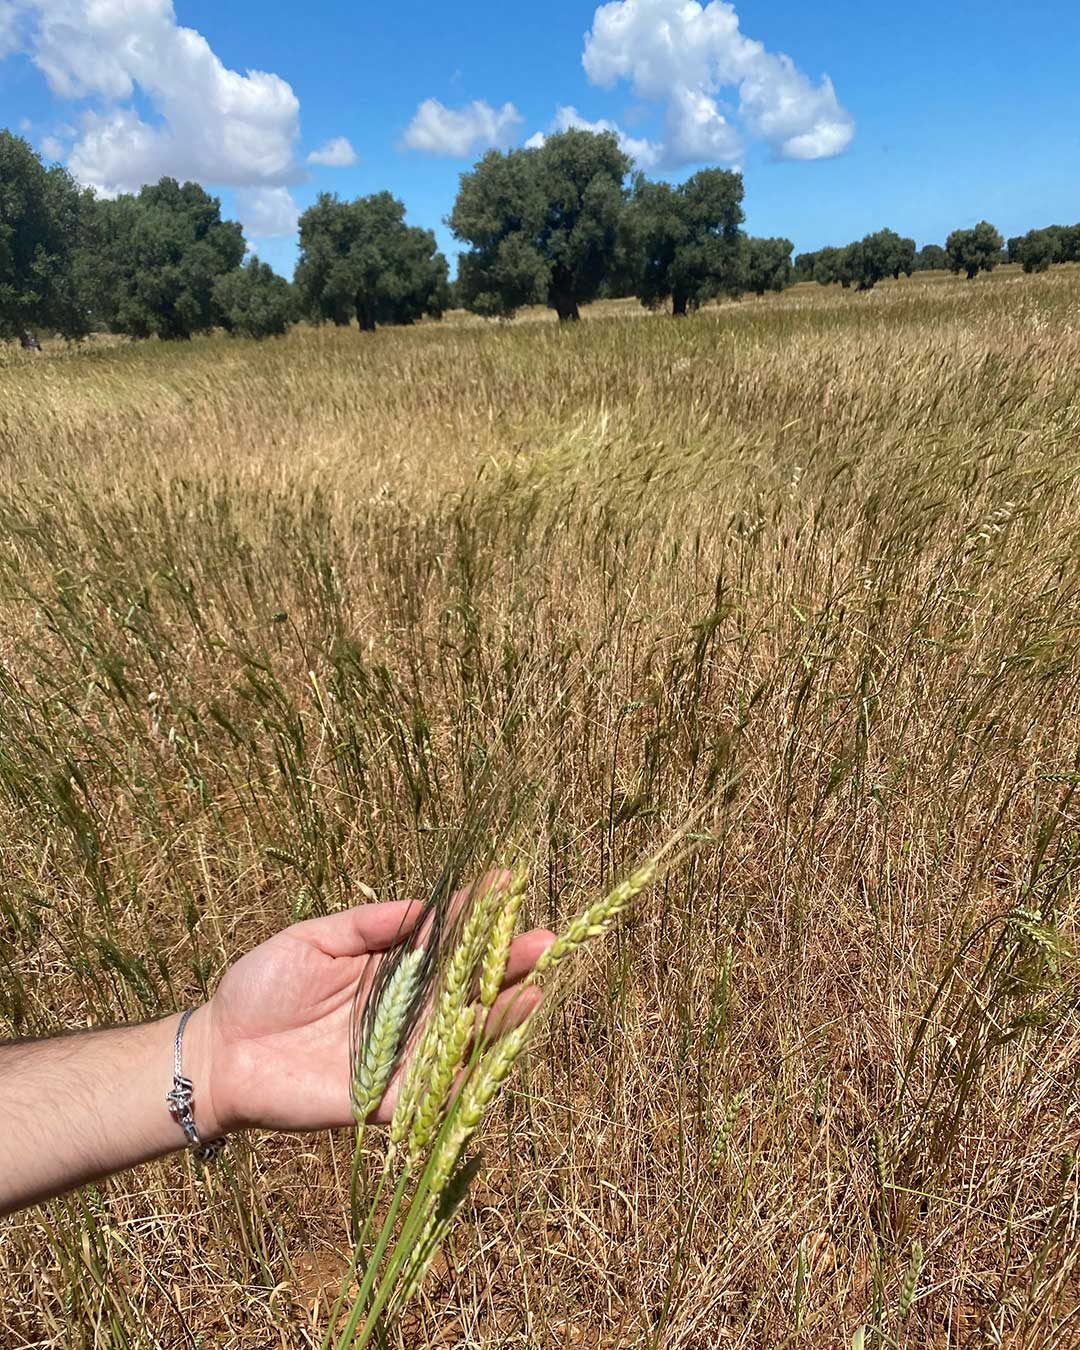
x=1068 y=240
x=862 y=263
x=684 y=243
x=359 y=257
x=833 y=264
x=974 y=251
x=804 y=266
x=904 y=257
x=553 y=224
x=40 y=212
x=1038 y=249
x=875 y=257
x=768 y=266
x=253 y=301
x=541 y=224
x=147 y=264
x=931 y=258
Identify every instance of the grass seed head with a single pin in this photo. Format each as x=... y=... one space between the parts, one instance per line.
x=476 y=1096
x=911 y=1280
x=493 y=966
x=595 y=921
x=437 y=1055
x=377 y=1057
x=446 y=1060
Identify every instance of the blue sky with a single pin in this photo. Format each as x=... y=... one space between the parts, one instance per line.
x=936 y=116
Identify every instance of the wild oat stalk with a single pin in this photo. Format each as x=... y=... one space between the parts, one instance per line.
x=450 y=1074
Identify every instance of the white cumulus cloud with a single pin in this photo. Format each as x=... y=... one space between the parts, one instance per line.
x=684 y=54
x=645 y=154
x=266 y=212
x=696 y=130
x=459 y=131
x=336 y=153
x=213 y=124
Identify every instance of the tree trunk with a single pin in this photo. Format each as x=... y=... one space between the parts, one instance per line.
x=365 y=315
x=678 y=306
x=566 y=307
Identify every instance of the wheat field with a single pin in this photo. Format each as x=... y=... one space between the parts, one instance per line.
x=814 y=560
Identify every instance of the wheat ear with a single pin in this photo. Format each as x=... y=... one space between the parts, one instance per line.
x=497 y=955
x=441 y=1046
x=486 y=1079
x=375 y=1063
x=595 y=921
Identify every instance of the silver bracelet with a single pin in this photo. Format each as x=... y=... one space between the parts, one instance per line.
x=181 y=1102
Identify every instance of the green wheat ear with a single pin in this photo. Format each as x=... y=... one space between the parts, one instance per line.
x=485 y=938
x=595 y=921
x=448 y=1056
x=476 y=1096
x=441 y=1047
x=375 y=1064
x=497 y=956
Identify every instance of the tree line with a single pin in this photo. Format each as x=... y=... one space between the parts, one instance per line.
x=560 y=224
x=1038 y=249
x=557 y=225
x=867 y=261
x=158 y=263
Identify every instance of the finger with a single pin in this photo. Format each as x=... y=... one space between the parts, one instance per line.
x=510 y=1009
x=525 y=951
x=363 y=929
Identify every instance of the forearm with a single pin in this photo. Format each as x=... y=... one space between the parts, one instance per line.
x=80 y=1107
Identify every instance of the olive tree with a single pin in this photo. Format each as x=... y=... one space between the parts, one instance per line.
x=835 y=264
x=974 y=251
x=768 y=266
x=540 y=224
x=148 y=263
x=684 y=243
x=253 y=301
x=40 y=211
x=804 y=265
x=359 y=257
x=931 y=258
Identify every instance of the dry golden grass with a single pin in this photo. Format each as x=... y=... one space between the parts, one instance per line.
x=260 y=609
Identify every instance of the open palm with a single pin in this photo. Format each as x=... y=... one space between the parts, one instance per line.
x=277 y=1029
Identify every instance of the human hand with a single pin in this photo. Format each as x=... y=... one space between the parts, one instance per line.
x=272 y=1046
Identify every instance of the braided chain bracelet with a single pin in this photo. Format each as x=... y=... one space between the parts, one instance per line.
x=181 y=1102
